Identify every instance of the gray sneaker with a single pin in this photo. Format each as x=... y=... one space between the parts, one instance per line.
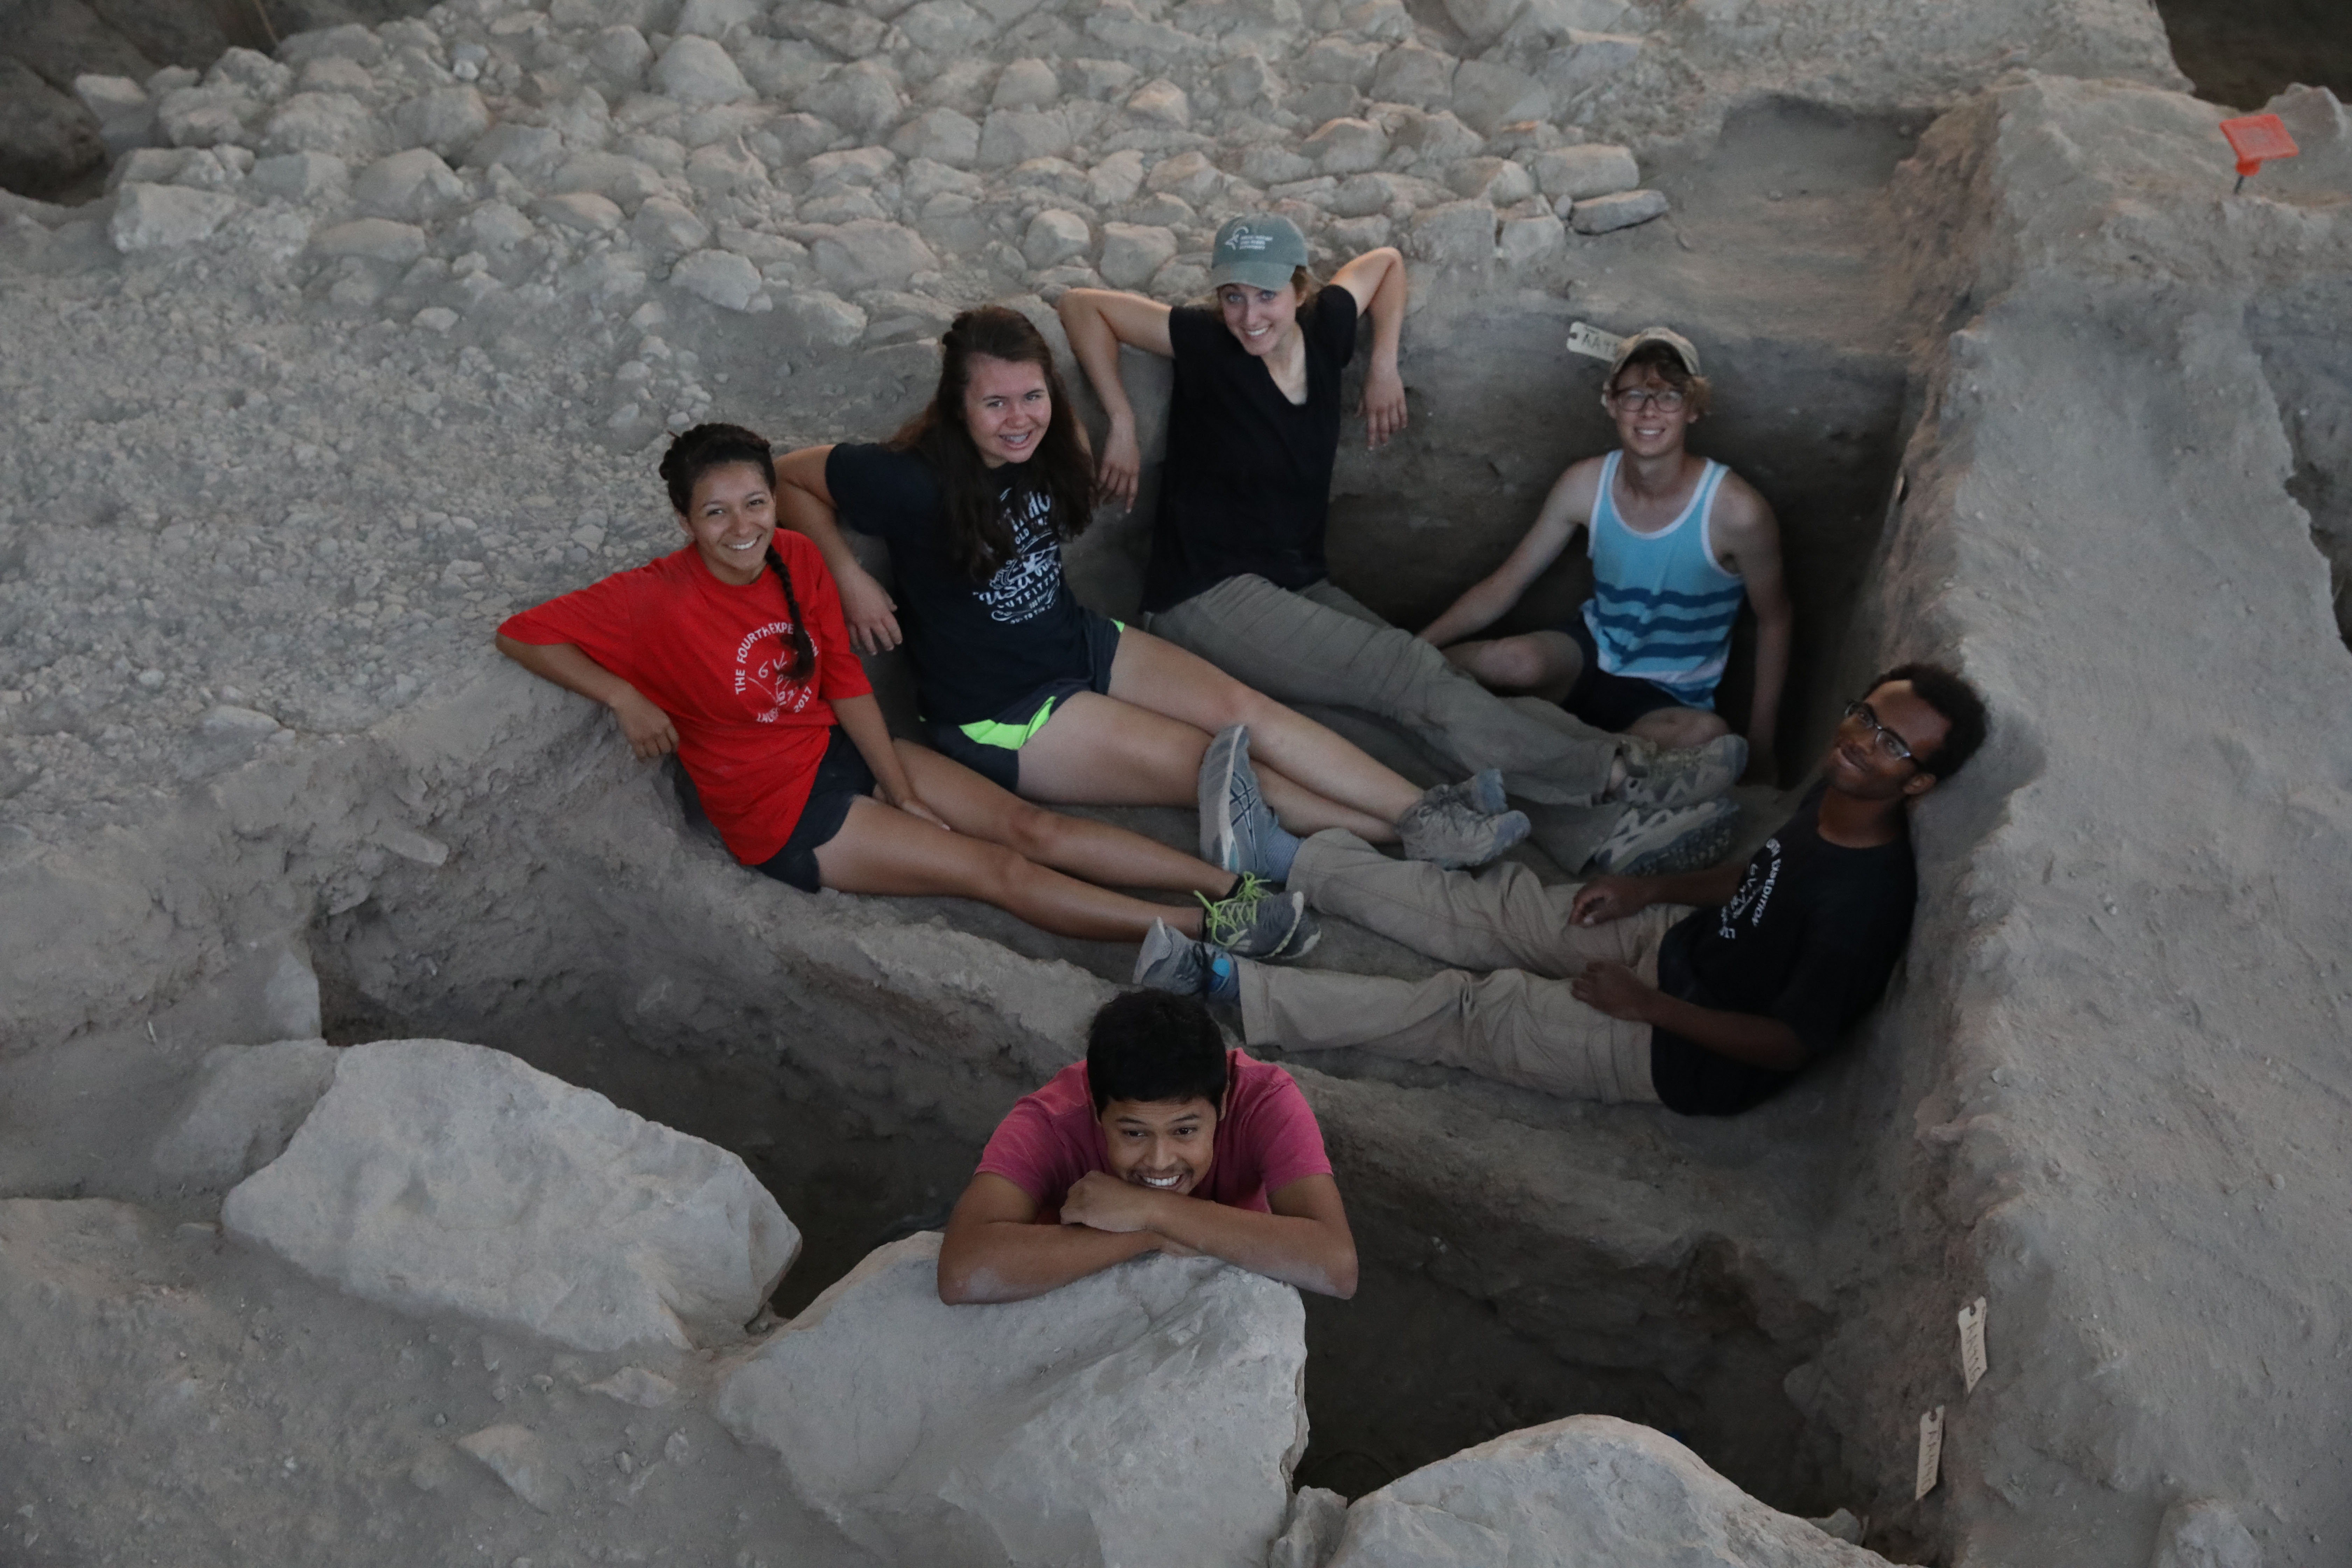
x=1481 y=792
x=1170 y=960
x=1239 y=832
x=1256 y=921
x=1447 y=831
x=1656 y=777
x=1663 y=841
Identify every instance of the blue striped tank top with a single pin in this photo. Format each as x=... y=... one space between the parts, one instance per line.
x=1662 y=609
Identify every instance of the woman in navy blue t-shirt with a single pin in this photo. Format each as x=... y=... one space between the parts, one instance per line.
x=1018 y=680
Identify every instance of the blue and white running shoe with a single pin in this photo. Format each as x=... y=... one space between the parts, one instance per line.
x=1239 y=832
x=1170 y=960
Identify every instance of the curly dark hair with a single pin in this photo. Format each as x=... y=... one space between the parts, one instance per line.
x=1966 y=720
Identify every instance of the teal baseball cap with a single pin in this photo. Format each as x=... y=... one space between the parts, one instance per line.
x=1262 y=251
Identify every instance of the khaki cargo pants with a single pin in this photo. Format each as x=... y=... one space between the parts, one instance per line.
x=1319 y=645
x=1516 y=1024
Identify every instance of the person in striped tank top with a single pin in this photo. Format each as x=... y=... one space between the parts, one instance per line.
x=1676 y=543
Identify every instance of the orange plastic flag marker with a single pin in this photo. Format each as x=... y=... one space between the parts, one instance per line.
x=2256 y=139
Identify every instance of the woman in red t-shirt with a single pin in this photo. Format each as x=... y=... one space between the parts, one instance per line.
x=731 y=653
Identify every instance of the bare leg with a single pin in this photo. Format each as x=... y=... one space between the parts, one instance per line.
x=1540 y=664
x=1303 y=812
x=881 y=849
x=1100 y=750
x=1676 y=728
x=1156 y=674
x=1094 y=850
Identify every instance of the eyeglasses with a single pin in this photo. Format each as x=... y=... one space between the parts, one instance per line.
x=1631 y=399
x=1888 y=740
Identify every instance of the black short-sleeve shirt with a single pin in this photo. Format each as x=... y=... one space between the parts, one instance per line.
x=1809 y=939
x=1248 y=483
x=977 y=646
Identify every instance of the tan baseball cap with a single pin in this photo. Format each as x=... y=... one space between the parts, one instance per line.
x=1648 y=335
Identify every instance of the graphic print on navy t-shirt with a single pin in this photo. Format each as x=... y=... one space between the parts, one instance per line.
x=1024 y=588
x=1755 y=895
x=761 y=659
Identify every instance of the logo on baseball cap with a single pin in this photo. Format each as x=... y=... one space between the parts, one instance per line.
x=1261 y=252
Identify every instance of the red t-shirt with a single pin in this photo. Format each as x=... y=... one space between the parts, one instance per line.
x=711 y=655
x=1266 y=1139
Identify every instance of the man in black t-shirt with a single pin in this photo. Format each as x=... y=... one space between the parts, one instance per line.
x=1237 y=574
x=1706 y=991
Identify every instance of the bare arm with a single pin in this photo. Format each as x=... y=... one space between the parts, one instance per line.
x=1304 y=1242
x=1096 y=322
x=1377 y=280
x=1750 y=1037
x=1567 y=508
x=995 y=1251
x=1751 y=538
x=805 y=505
x=646 y=727
x=861 y=718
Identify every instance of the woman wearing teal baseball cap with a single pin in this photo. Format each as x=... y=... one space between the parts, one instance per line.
x=1254 y=429
x=1236 y=573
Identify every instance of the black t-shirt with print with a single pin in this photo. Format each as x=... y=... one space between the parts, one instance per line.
x=978 y=647
x=1247 y=482
x=1809 y=939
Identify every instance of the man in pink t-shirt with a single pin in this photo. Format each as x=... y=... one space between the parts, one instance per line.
x=1161 y=1141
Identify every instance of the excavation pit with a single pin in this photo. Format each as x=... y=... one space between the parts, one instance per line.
x=2029 y=388
x=1452 y=1337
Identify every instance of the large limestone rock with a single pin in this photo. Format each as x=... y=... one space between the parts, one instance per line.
x=248 y=1103
x=435 y=1175
x=1149 y=1415
x=1588 y=1490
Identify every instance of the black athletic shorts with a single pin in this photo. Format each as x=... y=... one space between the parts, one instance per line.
x=992 y=747
x=1607 y=701
x=842 y=776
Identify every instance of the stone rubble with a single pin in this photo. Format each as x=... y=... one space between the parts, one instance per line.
x=730 y=116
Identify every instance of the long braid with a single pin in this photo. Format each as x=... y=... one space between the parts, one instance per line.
x=804 y=650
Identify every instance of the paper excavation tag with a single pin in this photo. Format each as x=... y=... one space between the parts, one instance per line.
x=1931 y=1451
x=1589 y=341
x=1972 y=1345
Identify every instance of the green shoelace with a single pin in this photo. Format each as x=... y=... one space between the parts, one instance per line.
x=1227 y=918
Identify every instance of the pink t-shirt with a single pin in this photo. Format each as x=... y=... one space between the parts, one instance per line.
x=1266 y=1139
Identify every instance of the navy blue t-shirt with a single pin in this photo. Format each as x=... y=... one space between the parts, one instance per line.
x=978 y=646
x=1247 y=484
x=1809 y=939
